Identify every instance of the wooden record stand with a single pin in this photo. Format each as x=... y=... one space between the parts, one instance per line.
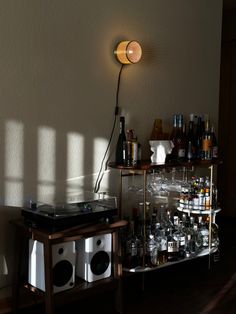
x=82 y=288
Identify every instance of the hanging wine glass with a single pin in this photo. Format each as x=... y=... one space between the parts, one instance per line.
x=133 y=186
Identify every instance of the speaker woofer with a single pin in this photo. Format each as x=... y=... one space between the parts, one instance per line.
x=62 y=273
x=100 y=263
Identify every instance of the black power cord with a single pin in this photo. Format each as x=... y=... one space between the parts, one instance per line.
x=100 y=173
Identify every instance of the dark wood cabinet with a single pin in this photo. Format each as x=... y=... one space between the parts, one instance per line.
x=227 y=115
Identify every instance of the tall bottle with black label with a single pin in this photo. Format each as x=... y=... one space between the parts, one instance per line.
x=120 y=143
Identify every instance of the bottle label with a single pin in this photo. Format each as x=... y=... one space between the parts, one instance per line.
x=134 y=250
x=172 y=246
x=181 y=153
x=134 y=154
x=182 y=241
x=130 y=153
x=206 y=144
x=215 y=152
x=162 y=245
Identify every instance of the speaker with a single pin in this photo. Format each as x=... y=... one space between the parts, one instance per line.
x=93 y=257
x=63 y=265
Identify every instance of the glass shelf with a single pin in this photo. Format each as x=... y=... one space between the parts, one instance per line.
x=199 y=211
x=140 y=269
x=146 y=164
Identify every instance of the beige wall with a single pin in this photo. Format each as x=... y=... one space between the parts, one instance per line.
x=58 y=81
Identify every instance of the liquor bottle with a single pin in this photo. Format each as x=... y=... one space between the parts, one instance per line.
x=148 y=214
x=130 y=155
x=191 y=140
x=120 y=143
x=157 y=132
x=173 y=137
x=214 y=233
x=151 y=249
x=207 y=199
x=197 y=238
x=180 y=236
x=214 y=144
x=172 y=248
x=161 y=240
x=203 y=232
x=214 y=196
x=191 y=239
x=132 y=244
x=207 y=142
x=180 y=139
x=199 y=133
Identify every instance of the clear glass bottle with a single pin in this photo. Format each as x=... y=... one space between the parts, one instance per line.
x=120 y=143
x=161 y=240
x=132 y=256
x=197 y=238
x=191 y=239
x=214 y=233
x=151 y=249
x=203 y=232
x=180 y=236
x=172 y=248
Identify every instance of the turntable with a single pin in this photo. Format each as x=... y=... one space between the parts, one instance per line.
x=80 y=209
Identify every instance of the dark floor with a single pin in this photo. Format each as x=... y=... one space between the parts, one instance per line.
x=186 y=288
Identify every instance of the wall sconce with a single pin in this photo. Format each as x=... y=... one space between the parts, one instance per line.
x=128 y=52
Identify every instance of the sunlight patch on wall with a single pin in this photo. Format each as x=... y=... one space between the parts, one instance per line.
x=75 y=155
x=75 y=163
x=14 y=162
x=46 y=162
x=100 y=146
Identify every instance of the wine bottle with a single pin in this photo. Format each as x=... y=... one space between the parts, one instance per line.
x=207 y=142
x=120 y=143
x=199 y=133
x=132 y=244
x=214 y=143
x=180 y=139
x=173 y=137
x=191 y=140
x=130 y=153
x=157 y=132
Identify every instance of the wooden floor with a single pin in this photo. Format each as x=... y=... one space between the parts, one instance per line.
x=186 y=288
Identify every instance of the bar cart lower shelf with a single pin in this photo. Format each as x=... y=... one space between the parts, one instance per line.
x=140 y=269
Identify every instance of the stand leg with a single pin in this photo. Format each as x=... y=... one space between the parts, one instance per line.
x=49 y=296
x=119 y=297
x=19 y=245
